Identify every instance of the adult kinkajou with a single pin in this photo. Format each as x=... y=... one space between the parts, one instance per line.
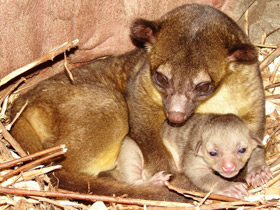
x=194 y=59
x=209 y=149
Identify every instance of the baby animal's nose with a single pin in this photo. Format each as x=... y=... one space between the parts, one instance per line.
x=228 y=167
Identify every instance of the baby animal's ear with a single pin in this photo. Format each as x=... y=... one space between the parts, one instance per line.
x=198 y=149
x=257 y=142
x=143 y=33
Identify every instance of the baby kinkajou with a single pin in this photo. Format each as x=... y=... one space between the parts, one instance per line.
x=210 y=149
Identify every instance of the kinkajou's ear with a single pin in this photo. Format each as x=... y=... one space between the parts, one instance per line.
x=245 y=53
x=143 y=33
x=256 y=141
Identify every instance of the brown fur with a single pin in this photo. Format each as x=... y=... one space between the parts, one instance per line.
x=196 y=59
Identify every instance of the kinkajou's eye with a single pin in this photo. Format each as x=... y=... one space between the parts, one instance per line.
x=160 y=80
x=204 y=88
x=213 y=153
x=242 y=150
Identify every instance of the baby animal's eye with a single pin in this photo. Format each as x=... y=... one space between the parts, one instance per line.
x=213 y=153
x=204 y=88
x=160 y=80
x=242 y=150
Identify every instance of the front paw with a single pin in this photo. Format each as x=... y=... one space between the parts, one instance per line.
x=259 y=176
x=234 y=189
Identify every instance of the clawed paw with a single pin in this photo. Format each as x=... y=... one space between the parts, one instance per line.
x=236 y=190
x=259 y=177
x=159 y=178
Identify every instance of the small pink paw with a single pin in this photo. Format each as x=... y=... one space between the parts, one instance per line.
x=159 y=178
x=259 y=176
x=235 y=189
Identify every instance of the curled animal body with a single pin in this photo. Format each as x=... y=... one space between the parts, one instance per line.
x=193 y=59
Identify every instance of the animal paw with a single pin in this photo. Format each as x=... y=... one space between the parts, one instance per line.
x=258 y=176
x=235 y=189
x=159 y=178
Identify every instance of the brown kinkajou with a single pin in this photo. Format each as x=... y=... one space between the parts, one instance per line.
x=193 y=59
x=206 y=144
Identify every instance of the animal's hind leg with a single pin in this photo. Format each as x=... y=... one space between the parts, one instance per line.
x=24 y=133
x=92 y=126
x=35 y=126
x=90 y=120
